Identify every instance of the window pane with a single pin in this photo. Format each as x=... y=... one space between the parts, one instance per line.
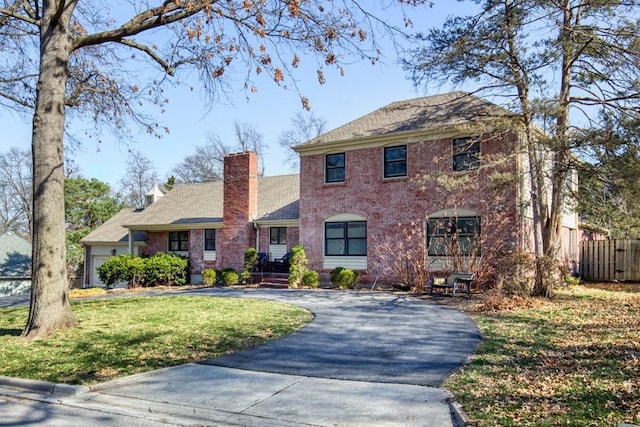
x=209 y=240
x=335 y=175
x=395 y=153
x=274 y=236
x=357 y=246
x=335 y=160
x=335 y=247
x=466 y=154
x=335 y=230
x=395 y=169
x=357 y=229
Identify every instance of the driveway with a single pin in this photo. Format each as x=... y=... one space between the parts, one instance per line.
x=363 y=336
x=367 y=358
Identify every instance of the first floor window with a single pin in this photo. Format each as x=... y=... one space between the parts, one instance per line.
x=453 y=236
x=278 y=235
x=466 y=154
x=178 y=241
x=346 y=238
x=209 y=239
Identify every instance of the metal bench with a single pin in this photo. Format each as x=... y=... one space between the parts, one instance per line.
x=456 y=282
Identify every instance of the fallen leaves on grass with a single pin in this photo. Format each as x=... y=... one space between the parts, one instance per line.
x=573 y=360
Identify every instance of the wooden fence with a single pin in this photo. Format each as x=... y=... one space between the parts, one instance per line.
x=609 y=260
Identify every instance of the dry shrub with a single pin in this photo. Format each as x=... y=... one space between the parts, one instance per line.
x=496 y=301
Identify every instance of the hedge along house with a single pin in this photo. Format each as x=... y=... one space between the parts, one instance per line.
x=439 y=179
x=211 y=223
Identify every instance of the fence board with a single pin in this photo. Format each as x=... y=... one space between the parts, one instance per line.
x=610 y=260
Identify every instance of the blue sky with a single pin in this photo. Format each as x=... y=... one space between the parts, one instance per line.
x=362 y=89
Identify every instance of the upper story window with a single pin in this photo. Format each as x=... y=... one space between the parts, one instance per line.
x=278 y=235
x=466 y=154
x=345 y=238
x=209 y=239
x=453 y=236
x=395 y=161
x=179 y=241
x=334 y=167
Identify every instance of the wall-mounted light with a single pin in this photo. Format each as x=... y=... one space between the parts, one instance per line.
x=113 y=252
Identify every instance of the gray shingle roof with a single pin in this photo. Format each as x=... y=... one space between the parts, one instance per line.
x=113 y=231
x=424 y=113
x=15 y=256
x=278 y=199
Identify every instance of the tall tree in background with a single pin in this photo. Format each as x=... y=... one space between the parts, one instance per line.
x=139 y=177
x=88 y=204
x=549 y=59
x=15 y=192
x=304 y=126
x=207 y=163
x=66 y=57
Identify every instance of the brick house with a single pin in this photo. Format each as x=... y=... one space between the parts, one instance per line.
x=439 y=175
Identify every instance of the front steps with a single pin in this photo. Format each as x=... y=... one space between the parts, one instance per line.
x=272 y=280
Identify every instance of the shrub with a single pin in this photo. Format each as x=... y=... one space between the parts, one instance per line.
x=209 y=276
x=162 y=268
x=344 y=278
x=122 y=268
x=311 y=279
x=298 y=266
x=165 y=269
x=230 y=277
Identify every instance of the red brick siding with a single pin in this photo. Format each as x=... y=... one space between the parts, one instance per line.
x=240 y=203
x=386 y=203
x=156 y=242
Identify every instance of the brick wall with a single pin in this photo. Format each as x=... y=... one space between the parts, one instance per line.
x=240 y=204
x=156 y=242
x=388 y=203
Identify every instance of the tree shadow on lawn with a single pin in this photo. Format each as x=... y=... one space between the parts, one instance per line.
x=10 y=332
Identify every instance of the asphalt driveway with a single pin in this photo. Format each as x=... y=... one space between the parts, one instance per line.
x=363 y=336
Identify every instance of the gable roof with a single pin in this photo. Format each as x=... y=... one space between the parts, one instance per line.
x=15 y=256
x=437 y=112
x=112 y=230
x=202 y=203
x=191 y=205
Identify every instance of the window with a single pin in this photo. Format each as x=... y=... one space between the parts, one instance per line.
x=334 y=167
x=209 y=239
x=178 y=240
x=347 y=238
x=450 y=236
x=395 y=161
x=466 y=154
x=278 y=235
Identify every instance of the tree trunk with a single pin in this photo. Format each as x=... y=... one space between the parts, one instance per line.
x=50 y=309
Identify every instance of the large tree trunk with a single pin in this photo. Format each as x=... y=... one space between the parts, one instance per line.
x=50 y=309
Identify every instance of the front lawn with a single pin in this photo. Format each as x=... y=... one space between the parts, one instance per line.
x=123 y=336
x=573 y=361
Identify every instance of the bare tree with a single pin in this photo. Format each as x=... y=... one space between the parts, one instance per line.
x=69 y=58
x=15 y=192
x=139 y=178
x=304 y=126
x=249 y=139
x=552 y=60
x=207 y=163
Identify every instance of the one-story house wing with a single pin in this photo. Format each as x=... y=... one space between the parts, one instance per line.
x=211 y=223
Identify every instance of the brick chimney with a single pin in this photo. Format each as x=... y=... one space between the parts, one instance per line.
x=240 y=205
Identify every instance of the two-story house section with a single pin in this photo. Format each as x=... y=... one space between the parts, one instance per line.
x=442 y=172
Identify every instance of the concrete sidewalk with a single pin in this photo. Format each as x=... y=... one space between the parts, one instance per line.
x=368 y=358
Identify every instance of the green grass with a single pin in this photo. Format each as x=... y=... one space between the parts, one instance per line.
x=573 y=361
x=123 y=336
